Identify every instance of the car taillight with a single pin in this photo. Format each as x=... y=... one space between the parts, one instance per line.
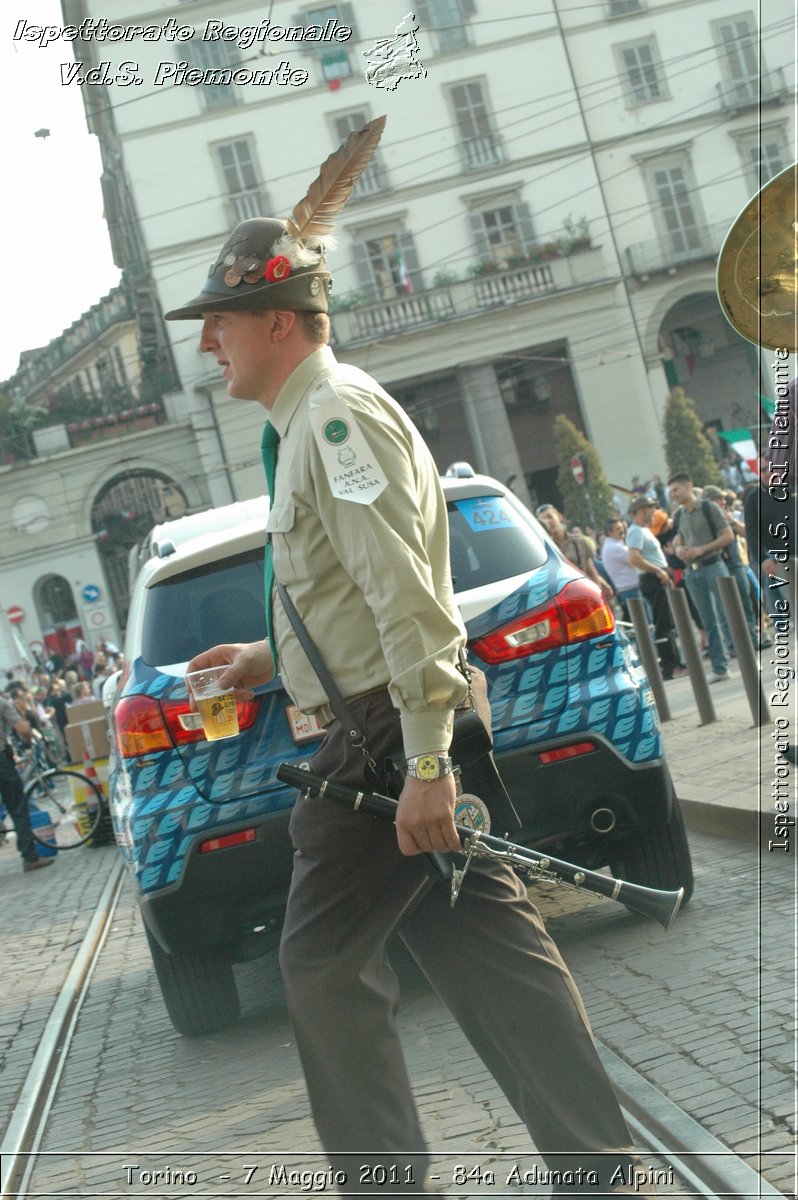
x=144 y=725
x=575 y=750
x=227 y=840
x=578 y=612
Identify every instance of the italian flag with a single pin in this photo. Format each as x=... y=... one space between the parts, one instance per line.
x=744 y=446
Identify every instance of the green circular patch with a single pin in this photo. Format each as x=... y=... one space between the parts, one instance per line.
x=336 y=431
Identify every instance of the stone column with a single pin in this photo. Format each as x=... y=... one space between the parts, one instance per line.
x=489 y=426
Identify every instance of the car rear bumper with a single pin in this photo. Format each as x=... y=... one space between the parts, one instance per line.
x=598 y=794
x=223 y=896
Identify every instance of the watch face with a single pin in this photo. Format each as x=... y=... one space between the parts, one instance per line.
x=427 y=767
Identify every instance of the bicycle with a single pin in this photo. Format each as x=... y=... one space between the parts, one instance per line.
x=72 y=801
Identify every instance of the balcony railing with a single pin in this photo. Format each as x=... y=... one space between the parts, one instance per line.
x=735 y=94
x=482 y=152
x=56 y=438
x=666 y=254
x=371 y=320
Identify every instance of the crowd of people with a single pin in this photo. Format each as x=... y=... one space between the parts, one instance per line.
x=674 y=535
x=33 y=707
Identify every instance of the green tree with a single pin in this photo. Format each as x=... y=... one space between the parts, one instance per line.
x=687 y=447
x=570 y=441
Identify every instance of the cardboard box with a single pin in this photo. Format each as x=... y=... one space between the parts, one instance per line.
x=85 y=712
x=87 y=734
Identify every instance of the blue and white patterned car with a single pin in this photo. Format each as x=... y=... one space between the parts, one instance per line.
x=203 y=825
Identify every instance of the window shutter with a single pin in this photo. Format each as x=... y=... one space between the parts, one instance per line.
x=421 y=9
x=346 y=15
x=479 y=236
x=526 y=229
x=468 y=8
x=408 y=247
x=365 y=278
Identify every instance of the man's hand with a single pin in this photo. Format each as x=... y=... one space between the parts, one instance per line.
x=250 y=665
x=425 y=816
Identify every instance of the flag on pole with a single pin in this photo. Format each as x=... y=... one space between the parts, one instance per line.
x=743 y=446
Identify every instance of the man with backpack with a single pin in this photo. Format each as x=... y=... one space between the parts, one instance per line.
x=702 y=532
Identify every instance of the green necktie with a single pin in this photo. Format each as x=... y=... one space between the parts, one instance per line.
x=268 y=448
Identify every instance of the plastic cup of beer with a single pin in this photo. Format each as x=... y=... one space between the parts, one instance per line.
x=216 y=705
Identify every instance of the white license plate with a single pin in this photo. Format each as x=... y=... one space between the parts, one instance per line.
x=303 y=728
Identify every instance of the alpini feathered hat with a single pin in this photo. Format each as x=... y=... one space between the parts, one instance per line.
x=267 y=263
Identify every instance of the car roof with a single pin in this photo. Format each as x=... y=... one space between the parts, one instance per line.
x=192 y=541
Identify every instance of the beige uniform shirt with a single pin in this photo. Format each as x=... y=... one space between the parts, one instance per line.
x=371 y=581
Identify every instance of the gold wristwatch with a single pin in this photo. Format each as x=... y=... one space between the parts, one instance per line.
x=429 y=767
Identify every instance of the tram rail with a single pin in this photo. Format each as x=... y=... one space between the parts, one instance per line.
x=705 y=1167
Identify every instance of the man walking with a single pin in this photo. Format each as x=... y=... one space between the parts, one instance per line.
x=647 y=558
x=363 y=554
x=702 y=533
x=11 y=789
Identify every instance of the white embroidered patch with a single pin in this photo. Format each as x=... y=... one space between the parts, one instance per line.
x=353 y=471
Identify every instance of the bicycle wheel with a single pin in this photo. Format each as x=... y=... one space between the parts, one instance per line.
x=72 y=802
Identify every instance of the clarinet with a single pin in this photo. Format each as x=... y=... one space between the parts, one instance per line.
x=660 y=906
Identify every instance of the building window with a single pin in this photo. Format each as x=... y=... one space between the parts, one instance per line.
x=642 y=72
x=241 y=178
x=448 y=20
x=387 y=265
x=763 y=154
x=675 y=209
x=503 y=232
x=372 y=179
x=620 y=8
x=479 y=143
x=216 y=56
x=736 y=40
x=333 y=55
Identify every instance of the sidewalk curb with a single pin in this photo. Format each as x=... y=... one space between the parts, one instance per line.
x=743 y=825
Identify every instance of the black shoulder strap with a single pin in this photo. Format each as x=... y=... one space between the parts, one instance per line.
x=711 y=513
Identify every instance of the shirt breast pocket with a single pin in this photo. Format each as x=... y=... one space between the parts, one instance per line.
x=289 y=552
x=282 y=518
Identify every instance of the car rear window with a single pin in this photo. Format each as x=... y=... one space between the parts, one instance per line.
x=490 y=541
x=219 y=602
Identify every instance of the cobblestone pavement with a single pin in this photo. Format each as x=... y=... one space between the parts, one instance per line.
x=705 y=1012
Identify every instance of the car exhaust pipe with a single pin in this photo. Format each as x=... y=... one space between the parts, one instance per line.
x=602 y=820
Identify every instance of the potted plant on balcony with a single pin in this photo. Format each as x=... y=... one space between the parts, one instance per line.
x=577 y=235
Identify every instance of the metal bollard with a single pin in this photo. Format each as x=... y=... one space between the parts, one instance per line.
x=648 y=655
x=692 y=657
x=744 y=647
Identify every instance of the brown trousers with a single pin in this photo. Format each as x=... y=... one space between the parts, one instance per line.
x=489 y=958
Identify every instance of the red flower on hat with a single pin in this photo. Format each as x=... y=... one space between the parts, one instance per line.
x=277 y=268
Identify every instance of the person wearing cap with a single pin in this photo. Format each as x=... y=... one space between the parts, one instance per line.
x=702 y=533
x=648 y=559
x=359 y=538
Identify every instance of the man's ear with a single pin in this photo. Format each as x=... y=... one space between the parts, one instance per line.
x=281 y=324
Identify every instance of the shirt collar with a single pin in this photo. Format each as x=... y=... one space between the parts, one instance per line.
x=297 y=386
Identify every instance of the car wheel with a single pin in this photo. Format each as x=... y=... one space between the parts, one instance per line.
x=656 y=858
x=198 y=987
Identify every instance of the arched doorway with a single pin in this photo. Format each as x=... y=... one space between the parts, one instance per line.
x=125 y=510
x=717 y=368
x=58 y=615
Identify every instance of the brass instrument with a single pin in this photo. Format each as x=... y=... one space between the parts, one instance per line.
x=756 y=274
x=660 y=906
